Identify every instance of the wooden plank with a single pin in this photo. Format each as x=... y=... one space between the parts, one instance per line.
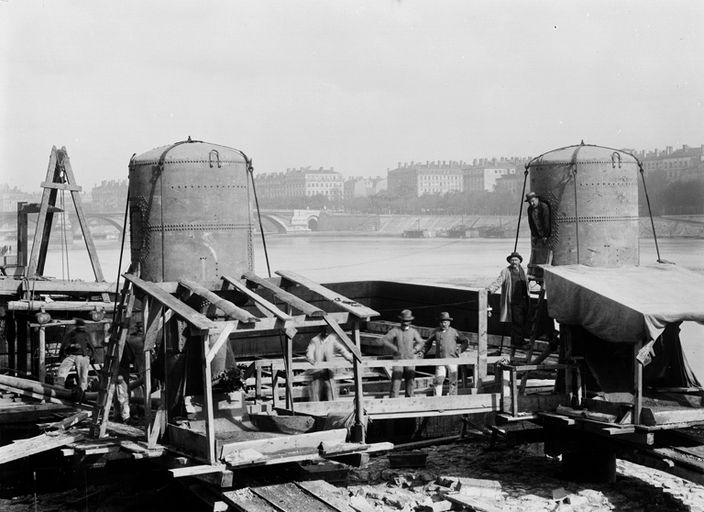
x=189 y=314
x=482 y=320
x=290 y=498
x=60 y=186
x=349 y=344
x=221 y=338
x=479 y=505
x=65 y=287
x=45 y=218
x=328 y=493
x=280 y=444
x=245 y=500
x=240 y=287
x=285 y=296
x=37 y=444
x=637 y=384
x=209 y=408
x=480 y=402
x=227 y=307
x=357 y=309
x=200 y=469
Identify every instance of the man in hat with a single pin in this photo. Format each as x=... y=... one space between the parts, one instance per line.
x=446 y=345
x=323 y=347
x=514 y=297
x=407 y=343
x=539 y=222
x=76 y=351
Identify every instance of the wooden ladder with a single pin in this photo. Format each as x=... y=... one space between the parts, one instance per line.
x=534 y=322
x=111 y=364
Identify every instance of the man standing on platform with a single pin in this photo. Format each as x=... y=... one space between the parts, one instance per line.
x=76 y=351
x=446 y=345
x=514 y=297
x=407 y=343
x=321 y=348
x=540 y=229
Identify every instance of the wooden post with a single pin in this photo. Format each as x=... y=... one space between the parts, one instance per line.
x=147 y=389
x=358 y=434
x=505 y=390
x=481 y=370
x=41 y=364
x=289 y=373
x=257 y=382
x=22 y=242
x=45 y=219
x=637 y=384
x=208 y=401
x=566 y=333
x=514 y=393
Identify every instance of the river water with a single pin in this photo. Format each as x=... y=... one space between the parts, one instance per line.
x=329 y=258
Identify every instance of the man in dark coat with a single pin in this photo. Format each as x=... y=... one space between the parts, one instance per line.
x=540 y=230
x=406 y=343
x=514 y=297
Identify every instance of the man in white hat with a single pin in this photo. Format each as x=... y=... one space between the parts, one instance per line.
x=446 y=345
x=406 y=343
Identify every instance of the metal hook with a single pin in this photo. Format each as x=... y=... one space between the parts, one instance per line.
x=217 y=157
x=615 y=156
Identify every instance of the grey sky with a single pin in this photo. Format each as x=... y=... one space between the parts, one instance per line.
x=355 y=85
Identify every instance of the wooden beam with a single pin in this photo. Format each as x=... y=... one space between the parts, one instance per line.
x=357 y=309
x=40 y=243
x=82 y=221
x=37 y=444
x=482 y=338
x=209 y=408
x=195 y=319
x=59 y=305
x=227 y=307
x=285 y=296
x=60 y=186
x=240 y=287
x=381 y=406
x=354 y=349
x=274 y=445
x=66 y=287
x=222 y=337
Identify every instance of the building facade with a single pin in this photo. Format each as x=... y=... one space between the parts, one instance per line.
x=415 y=179
x=301 y=183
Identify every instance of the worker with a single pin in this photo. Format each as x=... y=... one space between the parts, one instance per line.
x=540 y=229
x=514 y=297
x=446 y=346
x=406 y=343
x=322 y=348
x=77 y=352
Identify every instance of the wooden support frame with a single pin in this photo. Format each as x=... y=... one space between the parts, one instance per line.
x=285 y=296
x=359 y=310
x=223 y=305
x=257 y=299
x=59 y=176
x=209 y=408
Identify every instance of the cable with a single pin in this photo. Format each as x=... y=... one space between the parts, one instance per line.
x=520 y=208
x=650 y=212
x=250 y=170
x=122 y=247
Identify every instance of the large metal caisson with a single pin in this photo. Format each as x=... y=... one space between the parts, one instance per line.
x=593 y=196
x=190 y=212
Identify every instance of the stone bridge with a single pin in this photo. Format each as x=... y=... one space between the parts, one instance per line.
x=281 y=221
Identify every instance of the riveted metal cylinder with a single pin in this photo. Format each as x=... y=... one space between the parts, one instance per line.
x=593 y=196
x=190 y=215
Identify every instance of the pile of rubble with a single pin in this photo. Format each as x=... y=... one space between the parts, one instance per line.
x=464 y=476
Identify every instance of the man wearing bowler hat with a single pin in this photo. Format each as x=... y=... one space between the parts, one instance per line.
x=446 y=345
x=406 y=343
x=539 y=222
x=514 y=297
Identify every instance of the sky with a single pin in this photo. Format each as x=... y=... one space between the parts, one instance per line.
x=354 y=85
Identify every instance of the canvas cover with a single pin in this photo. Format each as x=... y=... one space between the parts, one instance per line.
x=625 y=304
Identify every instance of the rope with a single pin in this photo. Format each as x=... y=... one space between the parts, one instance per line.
x=520 y=208
x=650 y=212
x=250 y=169
x=122 y=247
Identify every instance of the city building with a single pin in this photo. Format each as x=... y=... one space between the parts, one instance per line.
x=684 y=164
x=301 y=183
x=364 y=187
x=109 y=196
x=415 y=179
